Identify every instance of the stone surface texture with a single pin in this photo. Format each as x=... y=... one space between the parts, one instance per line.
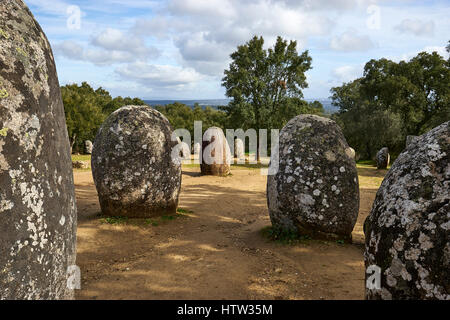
x=37 y=197
x=408 y=229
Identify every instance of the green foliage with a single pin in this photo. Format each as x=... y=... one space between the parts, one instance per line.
x=266 y=85
x=86 y=109
x=182 y=116
x=283 y=236
x=393 y=100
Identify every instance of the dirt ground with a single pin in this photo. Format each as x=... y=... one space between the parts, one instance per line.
x=217 y=251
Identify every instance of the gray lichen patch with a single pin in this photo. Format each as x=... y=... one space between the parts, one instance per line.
x=132 y=164
x=35 y=250
x=315 y=190
x=407 y=231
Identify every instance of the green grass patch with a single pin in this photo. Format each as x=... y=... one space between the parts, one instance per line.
x=181 y=213
x=283 y=236
x=114 y=220
x=81 y=157
x=366 y=162
x=184 y=211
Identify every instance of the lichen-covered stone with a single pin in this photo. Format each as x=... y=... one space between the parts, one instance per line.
x=315 y=190
x=78 y=164
x=216 y=154
x=239 y=151
x=37 y=198
x=383 y=158
x=410 y=139
x=408 y=229
x=88 y=147
x=132 y=164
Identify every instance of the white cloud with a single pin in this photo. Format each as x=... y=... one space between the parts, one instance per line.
x=165 y=76
x=110 y=46
x=116 y=40
x=348 y=73
x=416 y=27
x=441 y=50
x=351 y=41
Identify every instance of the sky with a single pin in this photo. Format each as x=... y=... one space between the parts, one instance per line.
x=179 y=49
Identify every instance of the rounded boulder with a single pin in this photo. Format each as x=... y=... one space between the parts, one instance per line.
x=315 y=189
x=132 y=164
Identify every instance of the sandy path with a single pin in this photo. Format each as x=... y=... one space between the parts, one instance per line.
x=217 y=252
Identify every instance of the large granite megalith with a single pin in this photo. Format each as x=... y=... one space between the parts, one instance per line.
x=315 y=191
x=37 y=198
x=408 y=229
x=132 y=164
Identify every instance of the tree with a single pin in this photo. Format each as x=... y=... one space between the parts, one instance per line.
x=417 y=90
x=366 y=127
x=263 y=82
x=86 y=109
x=393 y=100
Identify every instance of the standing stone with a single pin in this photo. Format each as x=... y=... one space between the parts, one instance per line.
x=37 y=197
x=88 y=146
x=408 y=229
x=132 y=164
x=216 y=154
x=315 y=191
x=239 y=152
x=383 y=158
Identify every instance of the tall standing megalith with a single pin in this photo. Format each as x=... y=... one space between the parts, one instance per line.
x=37 y=198
x=134 y=166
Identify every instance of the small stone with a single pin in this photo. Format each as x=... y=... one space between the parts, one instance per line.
x=88 y=146
x=383 y=158
x=78 y=164
x=216 y=153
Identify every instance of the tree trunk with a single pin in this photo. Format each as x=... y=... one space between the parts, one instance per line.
x=72 y=142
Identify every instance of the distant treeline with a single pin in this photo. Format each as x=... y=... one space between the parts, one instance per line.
x=86 y=109
x=389 y=102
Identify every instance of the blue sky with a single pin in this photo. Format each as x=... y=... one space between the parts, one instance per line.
x=178 y=49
